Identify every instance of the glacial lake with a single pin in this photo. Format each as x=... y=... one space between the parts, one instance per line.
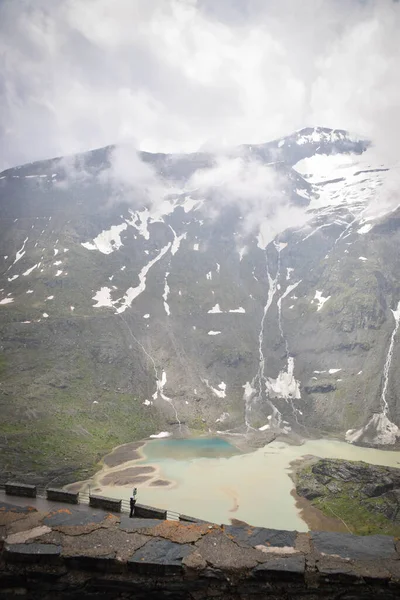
x=211 y=479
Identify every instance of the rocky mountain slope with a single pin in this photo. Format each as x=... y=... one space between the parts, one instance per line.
x=255 y=290
x=364 y=497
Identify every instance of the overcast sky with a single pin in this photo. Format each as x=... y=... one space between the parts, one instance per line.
x=179 y=75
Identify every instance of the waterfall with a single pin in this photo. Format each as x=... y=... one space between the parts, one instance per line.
x=384 y=404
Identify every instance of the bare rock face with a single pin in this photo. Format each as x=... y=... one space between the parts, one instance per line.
x=206 y=307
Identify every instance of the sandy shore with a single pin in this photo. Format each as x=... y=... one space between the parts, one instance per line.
x=111 y=475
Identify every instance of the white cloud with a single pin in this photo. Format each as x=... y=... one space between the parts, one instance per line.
x=135 y=179
x=177 y=75
x=256 y=189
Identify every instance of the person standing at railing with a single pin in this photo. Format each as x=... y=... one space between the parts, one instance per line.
x=133 y=502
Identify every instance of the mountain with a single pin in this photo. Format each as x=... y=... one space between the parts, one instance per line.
x=145 y=294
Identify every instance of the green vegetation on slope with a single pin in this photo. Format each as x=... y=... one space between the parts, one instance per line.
x=61 y=411
x=364 y=497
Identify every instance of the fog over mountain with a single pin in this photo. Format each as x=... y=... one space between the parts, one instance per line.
x=185 y=75
x=199 y=223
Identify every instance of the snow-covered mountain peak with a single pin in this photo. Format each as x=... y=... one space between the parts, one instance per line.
x=274 y=279
x=324 y=135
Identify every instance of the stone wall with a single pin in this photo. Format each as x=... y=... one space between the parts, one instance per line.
x=143 y=511
x=59 y=495
x=104 y=502
x=13 y=488
x=72 y=552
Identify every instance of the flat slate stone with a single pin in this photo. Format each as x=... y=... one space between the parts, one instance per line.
x=7 y=507
x=175 y=531
x=72 y=516
x=159 y=557
x=23 y=536
x=222 y=552
x=259 y=536
x=31 y=553
x=346 y=545
x=104 y=542
x=288 y=568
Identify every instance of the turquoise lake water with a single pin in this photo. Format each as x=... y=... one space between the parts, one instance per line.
x=189 y=449
x=211 y=479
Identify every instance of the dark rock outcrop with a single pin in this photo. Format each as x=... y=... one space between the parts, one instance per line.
x=365 y=497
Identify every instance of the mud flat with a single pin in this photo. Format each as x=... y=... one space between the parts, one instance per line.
x=210 y=478
x=123 y=454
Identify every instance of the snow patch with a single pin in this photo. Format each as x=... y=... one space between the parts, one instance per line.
x=285 y=385
x=139 y=221
x=215 y=309
x=219 y=391
x=214 y=332
x=165 y=295
x=103 y=297
x=320 y=299
x=380 y=429
x=19 y=254
x=177 y=242
x=134 y=292
x=365 y=228
x=6 y=301
x=222 y=418
x=162 y=434
x=191 y=204
x=303 y=193
x=242 y=252
x=108 y=240
x=249 y=391
x=29 y=271
x=362 y=258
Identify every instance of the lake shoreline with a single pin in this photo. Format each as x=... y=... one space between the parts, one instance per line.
x=224 y=477
x=315 y=518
